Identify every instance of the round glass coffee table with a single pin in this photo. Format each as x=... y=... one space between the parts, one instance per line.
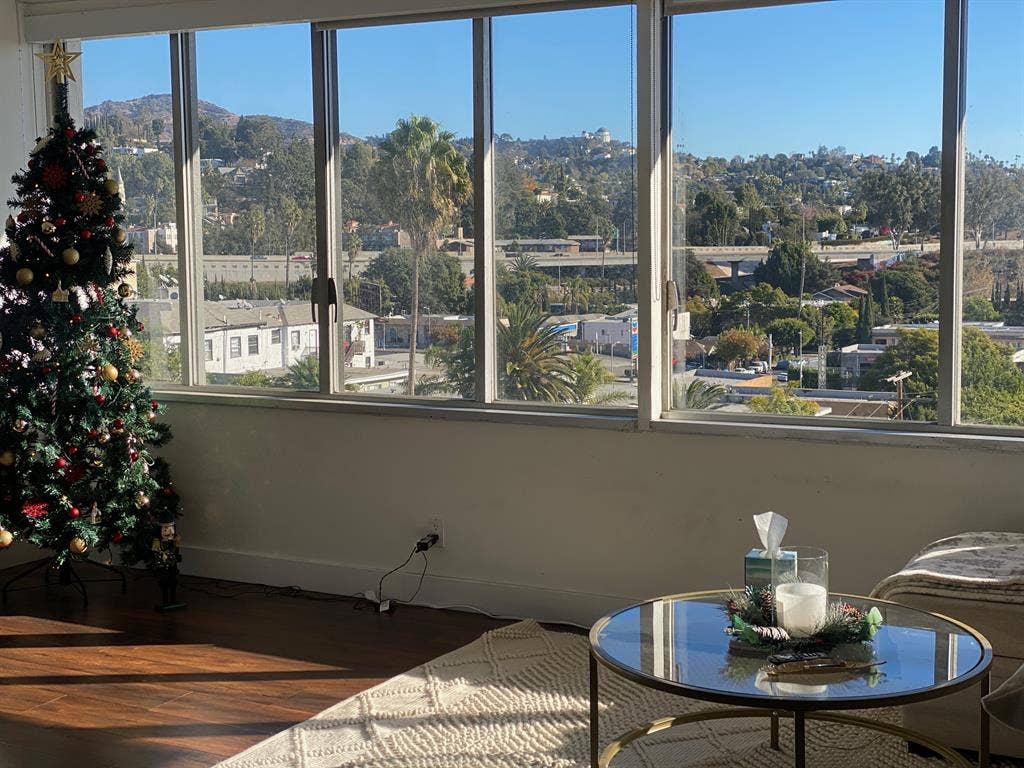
x=678 y=644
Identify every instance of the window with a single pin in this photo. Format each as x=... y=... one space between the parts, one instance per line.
x=405 y=98
x=795 y=243
x=255 y=135
x=236 y=346
x=296 y=340
x=208 y=349
x=130 y=110
x=992 y=385
x=275 y=336
x=565 y=206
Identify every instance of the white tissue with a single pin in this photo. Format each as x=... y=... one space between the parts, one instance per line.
x=770 y=528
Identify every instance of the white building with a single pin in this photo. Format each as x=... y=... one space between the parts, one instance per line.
x=243 y=337
x=161 y=239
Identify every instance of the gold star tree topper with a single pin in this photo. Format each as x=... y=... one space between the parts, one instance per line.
x=58 y=62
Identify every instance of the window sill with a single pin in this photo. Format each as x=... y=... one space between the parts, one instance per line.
x=505 y=413
x=916 y=436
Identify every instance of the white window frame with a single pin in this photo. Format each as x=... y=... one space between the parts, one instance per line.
x=232 y=342
x=654 y=158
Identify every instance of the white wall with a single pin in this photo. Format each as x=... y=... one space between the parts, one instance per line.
x=552 y=522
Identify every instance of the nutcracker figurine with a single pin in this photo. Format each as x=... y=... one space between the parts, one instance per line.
x=166 y=556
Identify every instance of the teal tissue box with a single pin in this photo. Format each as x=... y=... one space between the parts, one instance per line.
x=757 y=569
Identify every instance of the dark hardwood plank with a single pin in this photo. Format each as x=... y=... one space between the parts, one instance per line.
x=118 y=685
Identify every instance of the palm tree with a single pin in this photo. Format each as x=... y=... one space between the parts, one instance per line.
x=420 y=180
x=532 y=365
x=523 y=263
x=291 y=215
x=698 y=395
x=589 y=375
x=304 y=374
x=256 y=223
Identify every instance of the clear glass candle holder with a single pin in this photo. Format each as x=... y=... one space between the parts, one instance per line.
x=801 y=592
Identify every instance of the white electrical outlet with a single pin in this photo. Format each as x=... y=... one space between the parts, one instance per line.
x=436 y=525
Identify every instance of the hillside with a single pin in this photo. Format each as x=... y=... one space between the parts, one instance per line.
x=157 y=106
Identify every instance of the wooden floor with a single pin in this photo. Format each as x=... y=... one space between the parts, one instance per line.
x=117 y=684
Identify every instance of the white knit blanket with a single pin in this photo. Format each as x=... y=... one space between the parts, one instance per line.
x=986 y=566
x=518 y=698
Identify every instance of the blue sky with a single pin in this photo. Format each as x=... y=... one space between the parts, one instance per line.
x=864 y=74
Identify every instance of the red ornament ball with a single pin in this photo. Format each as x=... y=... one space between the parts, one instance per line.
x=69 y=132
x=117 y=538
x=166 y=491
x=73 y=513
x=101 y=163
x=79 y=197
x=72 y=450
x=112 y=332
x=45 y=370
x=86 y=234
x=94 y=433
x=109 y=221
x=134 y=456
x=76 y=319
x=154 y=404
x=60 y=221
x=60 y=463
x=118 y=423
x=101 y=398
x=141 y=327
x=23 y=217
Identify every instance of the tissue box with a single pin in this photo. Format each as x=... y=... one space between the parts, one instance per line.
x=757 y=569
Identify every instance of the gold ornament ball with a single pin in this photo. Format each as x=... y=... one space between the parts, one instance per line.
x=37 y=331
x=141 y=500
x=6 y=459
x=124 y=290
x=111 y=186
x=109 y=372
x=48 y=227
x=120 y=236
x=24 y=276
x=6 y=537
x=77 y=545
x=70 y=256
x=20 y=425
x=104 y=437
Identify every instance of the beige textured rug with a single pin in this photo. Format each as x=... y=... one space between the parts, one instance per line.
x=517 y=697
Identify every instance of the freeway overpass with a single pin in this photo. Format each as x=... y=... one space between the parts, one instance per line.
x=271 y=268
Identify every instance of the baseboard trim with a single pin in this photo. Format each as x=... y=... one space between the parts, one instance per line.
x=498 y=598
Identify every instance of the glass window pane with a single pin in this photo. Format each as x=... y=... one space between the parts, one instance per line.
x=256 y=146
x=993 y=280
x=565 y=206
x=405 y=208
x=805 y=216
x=130 y=110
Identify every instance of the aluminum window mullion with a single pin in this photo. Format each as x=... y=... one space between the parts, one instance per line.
x=188 y=204
x=324 y=47
x=650 y=232
x=678 y=7
x=483 y=214
x=954 y=109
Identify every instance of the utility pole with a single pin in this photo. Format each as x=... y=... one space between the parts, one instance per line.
x=897 y=379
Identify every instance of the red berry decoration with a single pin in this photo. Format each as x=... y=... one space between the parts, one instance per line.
x=112 y=332
x=86 y=234
x=60 y=463
x=60 y=221
x=73 y=513
x=101 y=398
x=117 y=538
x=134 y=456
x=76 y=319
x=69 y=132
x=79 y=197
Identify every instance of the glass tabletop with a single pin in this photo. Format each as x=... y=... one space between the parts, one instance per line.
x=679 y=644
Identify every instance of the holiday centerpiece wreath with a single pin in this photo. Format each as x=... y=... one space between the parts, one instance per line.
x=751 y=615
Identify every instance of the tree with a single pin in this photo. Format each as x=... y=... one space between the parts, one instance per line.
x=790 y=332
x=865 y=320
x=458 y=365
x=420 y=180
x=255 y=225
x=736 y=345
x=903 y=199
x=257 y=137
x=792 y=265
x=781 y=402
x=916 y=351
x=907 y=283
x=442 y=284
x=589 y=375
x=304 y=374
x=291 y=217
x=988 y=191
x=698 y=395
x=843 y=319
x=716 y=218
x=531 y=362
x=698 y=282
x=980 y=309
x=77 y=469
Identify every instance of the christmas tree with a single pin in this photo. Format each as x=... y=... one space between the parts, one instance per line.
x=76 y=419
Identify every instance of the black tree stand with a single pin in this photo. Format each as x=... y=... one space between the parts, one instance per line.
x=67 y=576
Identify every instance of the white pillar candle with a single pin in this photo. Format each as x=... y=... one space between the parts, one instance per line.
x=800 y=607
